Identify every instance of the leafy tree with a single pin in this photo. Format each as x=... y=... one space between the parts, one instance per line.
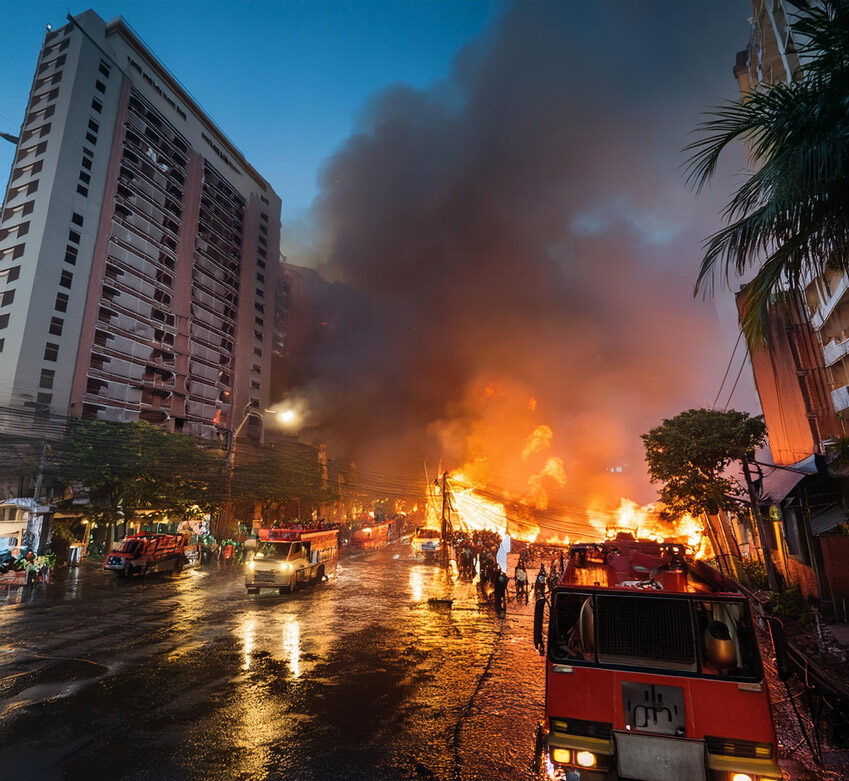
x=132 y=466
x=790 y=217
x=689 y=454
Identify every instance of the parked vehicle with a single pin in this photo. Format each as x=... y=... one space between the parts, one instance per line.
x=426 y=544
x=288 y=558
x=146 y=553
x=653 y=670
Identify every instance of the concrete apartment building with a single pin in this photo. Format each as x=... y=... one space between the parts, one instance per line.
x=138 y=247
x=803 y=378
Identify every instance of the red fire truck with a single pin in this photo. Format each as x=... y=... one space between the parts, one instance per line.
x=653 y=671
x=146 y=553
x=374 y=536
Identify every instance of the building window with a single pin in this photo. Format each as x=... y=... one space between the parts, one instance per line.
x=93 y=126
x=44 y=398
x=82 y=190
x=74 y=236
x=2 y=344
x=46 y=380
x=263 y=217
x=66 y=279
x=256 y=368
x=7 y=297
x=257 y=352
x=51 y=352
x=84 y=177
x=77 y=219
x=255 y=384
x=100 y=86
x=96 y=105
x=261 y=263
x=86 y=163
x=91 y=138
x=258 y=336
x=56 y=324
x=4 y=321
x=13 y=273
x=104 y=68
x=71 y=255
x=87 y=152
x=259 y=321
x=61 y=304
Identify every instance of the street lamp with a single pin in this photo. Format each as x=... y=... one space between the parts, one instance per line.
x=232 y=436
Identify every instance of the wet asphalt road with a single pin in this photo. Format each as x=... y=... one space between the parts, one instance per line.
x=188 y=677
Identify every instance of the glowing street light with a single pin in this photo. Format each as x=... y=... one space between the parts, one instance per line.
x=287 y=417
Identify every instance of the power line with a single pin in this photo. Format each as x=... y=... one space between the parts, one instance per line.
x=727 y=369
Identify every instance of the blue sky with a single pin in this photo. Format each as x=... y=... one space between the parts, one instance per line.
x=285 y=80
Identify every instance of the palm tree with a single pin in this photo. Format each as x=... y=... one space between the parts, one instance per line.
x=790 y=217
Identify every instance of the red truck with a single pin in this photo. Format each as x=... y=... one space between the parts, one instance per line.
x=147 y=552
x=653 y=670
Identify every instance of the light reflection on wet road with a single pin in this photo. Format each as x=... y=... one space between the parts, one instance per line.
x=190 y=677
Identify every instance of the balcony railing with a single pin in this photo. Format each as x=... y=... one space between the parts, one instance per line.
x=840 y=398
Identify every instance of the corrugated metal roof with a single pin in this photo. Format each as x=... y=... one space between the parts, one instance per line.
x=825 y=521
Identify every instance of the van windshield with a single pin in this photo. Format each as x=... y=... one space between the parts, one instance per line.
x=279 y=551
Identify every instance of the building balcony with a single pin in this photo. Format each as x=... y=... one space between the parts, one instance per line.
x=819 y=317
x=840 y=398
x=834 y=351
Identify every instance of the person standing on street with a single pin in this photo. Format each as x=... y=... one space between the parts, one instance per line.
x=500 y=588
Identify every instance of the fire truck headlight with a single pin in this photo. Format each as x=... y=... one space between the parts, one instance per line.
x=585 y=758
x=251 y=565
x=561 y=755
x=741 y=777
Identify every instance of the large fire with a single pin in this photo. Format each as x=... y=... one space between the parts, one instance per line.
x=512 y=483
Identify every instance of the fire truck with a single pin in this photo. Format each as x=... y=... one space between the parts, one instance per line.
x=146 y=553
x=653 y=671
x=287 y=558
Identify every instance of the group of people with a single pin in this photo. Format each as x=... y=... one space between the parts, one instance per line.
x=494 y=581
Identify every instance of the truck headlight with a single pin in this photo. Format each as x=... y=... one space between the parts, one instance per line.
x=562 y=755
x=585 y=758
x=251 y=565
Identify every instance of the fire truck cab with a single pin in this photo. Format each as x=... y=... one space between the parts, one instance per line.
x=653 y=671
x=288 y=558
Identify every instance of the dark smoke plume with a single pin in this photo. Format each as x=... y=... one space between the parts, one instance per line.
x=523 y=249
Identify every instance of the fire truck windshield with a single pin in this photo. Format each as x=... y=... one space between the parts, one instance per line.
x=696 y=636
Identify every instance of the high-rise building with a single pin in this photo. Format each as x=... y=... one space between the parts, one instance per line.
x=138 y=247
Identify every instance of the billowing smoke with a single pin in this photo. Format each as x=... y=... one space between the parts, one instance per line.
x=523 y=249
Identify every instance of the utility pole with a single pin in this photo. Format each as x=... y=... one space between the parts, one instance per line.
x=769 y=565
x=445 y=521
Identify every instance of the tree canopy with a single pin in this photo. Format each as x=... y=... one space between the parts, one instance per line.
x=689 y=453
x=132 y=466
x=790 y=217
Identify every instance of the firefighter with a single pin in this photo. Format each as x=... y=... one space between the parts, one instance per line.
x=520 y=576
x=500 y=588
x=540 y=584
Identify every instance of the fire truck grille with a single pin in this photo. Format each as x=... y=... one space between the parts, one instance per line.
x=645 y=629
x=586 y=729
x=731 y=747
